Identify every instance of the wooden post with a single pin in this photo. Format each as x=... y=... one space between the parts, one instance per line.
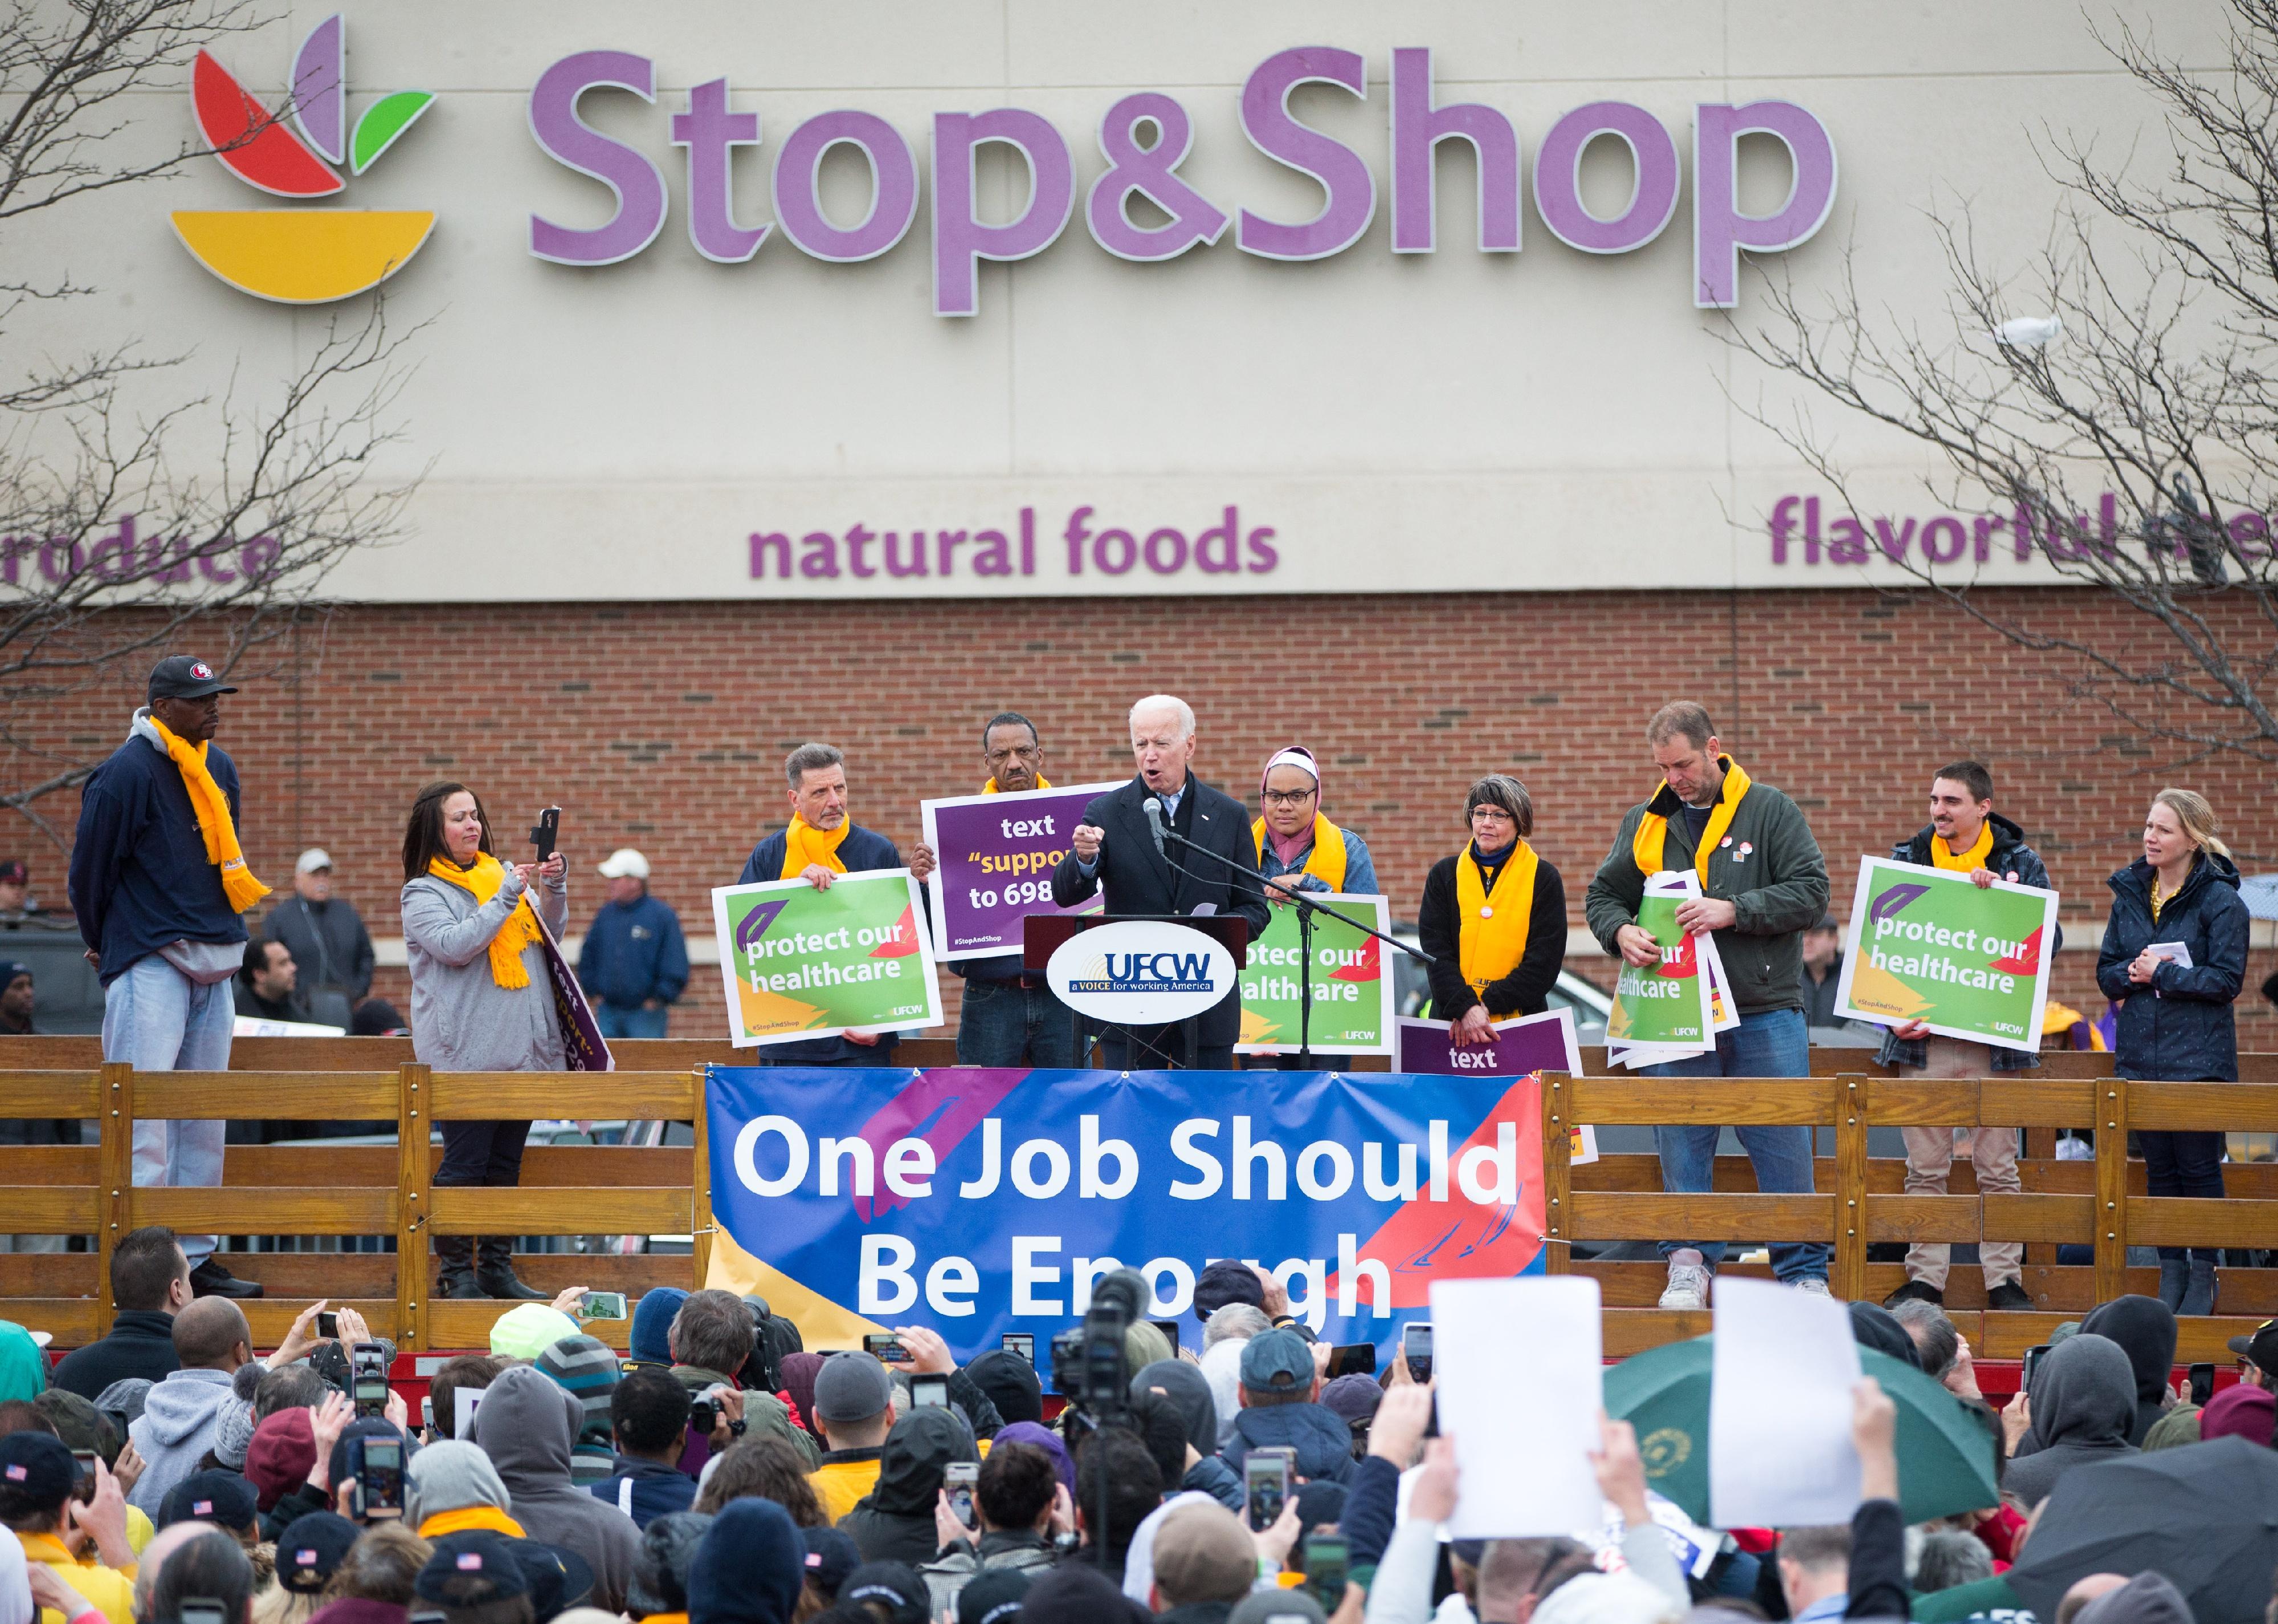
x=412 y=1117
x=115 y=1177
x=2111 y=1190
x=1848 y=1278
x=700 y=1188
x=1557 y=1174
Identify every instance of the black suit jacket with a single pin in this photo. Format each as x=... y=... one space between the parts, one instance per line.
x=1139 y=882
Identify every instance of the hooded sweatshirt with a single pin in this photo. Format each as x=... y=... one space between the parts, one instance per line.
x=1189 y=1390
x=181 y=1418
x=1221 y=1367
x=2145 y=1331
x=894 y=1521
x=450 y=1478
x=750 y=1567
x=1319 y=1435
x=2082 y=1402
x=526 y=1426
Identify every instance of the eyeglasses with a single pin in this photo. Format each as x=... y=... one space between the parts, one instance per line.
x=1288 y=798
x=1493 y=815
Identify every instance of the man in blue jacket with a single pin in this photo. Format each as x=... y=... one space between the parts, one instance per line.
x=635 y=962
x=153 y=869
x=648 y=1416
x=830 y=845
x=1280 y=1396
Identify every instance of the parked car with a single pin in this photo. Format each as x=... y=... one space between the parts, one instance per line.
x=1412 y=992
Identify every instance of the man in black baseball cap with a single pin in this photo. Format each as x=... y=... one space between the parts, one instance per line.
x=2257 y=1355
x=160 y=885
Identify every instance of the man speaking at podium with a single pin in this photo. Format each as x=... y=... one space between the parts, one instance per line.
x=1143 y=872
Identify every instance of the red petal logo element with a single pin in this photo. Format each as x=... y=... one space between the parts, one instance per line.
x=905 y=938
x=1369 y=968
x=254 y=147
x=2026 y=961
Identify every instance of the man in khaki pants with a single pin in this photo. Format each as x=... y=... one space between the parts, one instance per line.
x=1965 y=835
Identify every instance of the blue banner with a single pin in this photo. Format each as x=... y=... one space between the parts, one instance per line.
x=980 y=1201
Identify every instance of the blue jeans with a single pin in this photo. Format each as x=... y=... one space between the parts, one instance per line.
x=617 y=1021
x=1775 y=1044
x=157 y=1019
x=1003 y=1023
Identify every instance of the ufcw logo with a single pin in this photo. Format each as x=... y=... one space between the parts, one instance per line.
x=301 y=255
x=1149 y=972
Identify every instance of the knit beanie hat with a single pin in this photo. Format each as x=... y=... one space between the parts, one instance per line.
x=1010 y=1383
x=750 y=1567
x=661 y=1565
x=451 y=1475
x=282 y=1451
x=528 y=1329
x=233 y=1422
x=653 y=1317
x=586 y=1369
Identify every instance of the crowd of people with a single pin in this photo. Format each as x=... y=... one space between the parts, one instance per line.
x=722 y=1474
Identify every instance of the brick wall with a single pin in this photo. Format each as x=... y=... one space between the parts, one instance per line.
x=663 y=725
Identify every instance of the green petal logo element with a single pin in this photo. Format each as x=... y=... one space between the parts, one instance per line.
x=382 y=122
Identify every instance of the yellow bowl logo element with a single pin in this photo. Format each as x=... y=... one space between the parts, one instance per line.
x=304 y=257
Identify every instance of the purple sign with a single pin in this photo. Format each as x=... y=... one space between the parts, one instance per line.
x=1529 y=1044
x=995 y=855
x=583 y=1046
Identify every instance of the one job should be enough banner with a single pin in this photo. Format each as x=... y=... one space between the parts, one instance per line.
x=1927 y=945
x=980 y=1201
x=993 y=857
x=800 y=962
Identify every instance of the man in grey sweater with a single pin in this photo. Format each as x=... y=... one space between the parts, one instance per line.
x=182 y=1415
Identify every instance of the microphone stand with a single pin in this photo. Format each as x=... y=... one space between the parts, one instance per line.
x=1306 y=909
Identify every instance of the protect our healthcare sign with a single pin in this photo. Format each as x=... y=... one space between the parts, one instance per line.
x=1664 y=1005
x=799 y=962
x=1927 y=945
x=1352 y=995
x=994 y=858
x=982 y=1201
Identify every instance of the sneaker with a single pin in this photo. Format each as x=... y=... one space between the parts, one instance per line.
x=1812 y=1285
x=1915 y=1291
x=2010 y=1298
x=210 y=1279
x=1688 y=1280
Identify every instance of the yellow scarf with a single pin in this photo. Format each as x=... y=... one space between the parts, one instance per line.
x=1325 y=861
x=520 y=930
x=991 y=788
x=1491 y=925
x=804 y=844
x=470 y=1517
x=1964 y=862
x=1653 y=828
x=212 y=807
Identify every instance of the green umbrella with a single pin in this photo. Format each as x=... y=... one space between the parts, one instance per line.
x=1945 y=1456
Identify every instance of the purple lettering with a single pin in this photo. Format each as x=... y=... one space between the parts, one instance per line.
x=257 y=557
x=996 y=557
x=208 y=566
x=1263 y=557
x=1224 y=558
x=1894 y=545
x=1074 y=537
x=1027 y=540
x=894 y=564
x=1720 y=230
x=113 y=556
x=857 y=539
x=820 y=558
x=1175 y=550
x=712 y=133
x=1126 y=557
x=74 y=559
x=2249 y=534
x=945 y=544
x=894 y=187
x=1936 y=550
x=575 y=145
x=761 y=543
x=1350 y=188
x=1780 y=526
x=961 y=242
x=1653 y=190
x=1980 y=537
x=1846 y=542
x=1151 y=172
x=1418 y=129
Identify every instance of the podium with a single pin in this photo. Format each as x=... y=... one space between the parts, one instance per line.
x=1042 y=935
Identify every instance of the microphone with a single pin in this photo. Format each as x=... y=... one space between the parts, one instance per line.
x=1154 y=810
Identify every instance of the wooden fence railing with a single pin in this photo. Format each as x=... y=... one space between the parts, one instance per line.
x=383 y=1190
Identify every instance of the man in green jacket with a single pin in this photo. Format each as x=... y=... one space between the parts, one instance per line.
x=1763 y=884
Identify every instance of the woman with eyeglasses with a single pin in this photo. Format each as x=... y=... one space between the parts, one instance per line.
x=1294 y=840
x=1493 y=918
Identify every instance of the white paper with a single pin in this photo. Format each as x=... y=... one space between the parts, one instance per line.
x=464 y=1402
x=1694 y=1547
x=1521 y=1380
x=1724 y=1012
x=1784 y=1364
x=2175 y=953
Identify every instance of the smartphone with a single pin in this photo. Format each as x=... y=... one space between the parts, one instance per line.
x=1265 y=1489
x=85 y=1459
x=958 y=1478
x=1021 y=1342
x=83 y=1480
x=2202 y=1384
x=2031 y=1363
x=543 y=833
x=198 y=1610
x=1352 y=1359
x=886 y=1348
x=929 y=1390
x=602 y=1305
x=379 y=1477
x=1325 y=1567
x=1416 y=1348
x=368 y=1379
x=427 y=1413
x=328 y=1325
x=1170 y=1329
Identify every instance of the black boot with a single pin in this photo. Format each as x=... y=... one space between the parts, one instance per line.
x=495 y=1271
x=2174 y=1279
x=455 y=1267
x=2198 y=1294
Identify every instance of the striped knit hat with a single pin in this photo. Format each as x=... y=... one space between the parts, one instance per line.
x=587 y=1369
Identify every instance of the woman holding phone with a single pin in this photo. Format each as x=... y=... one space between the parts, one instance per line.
x=480 y=999
x=2173 y=958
